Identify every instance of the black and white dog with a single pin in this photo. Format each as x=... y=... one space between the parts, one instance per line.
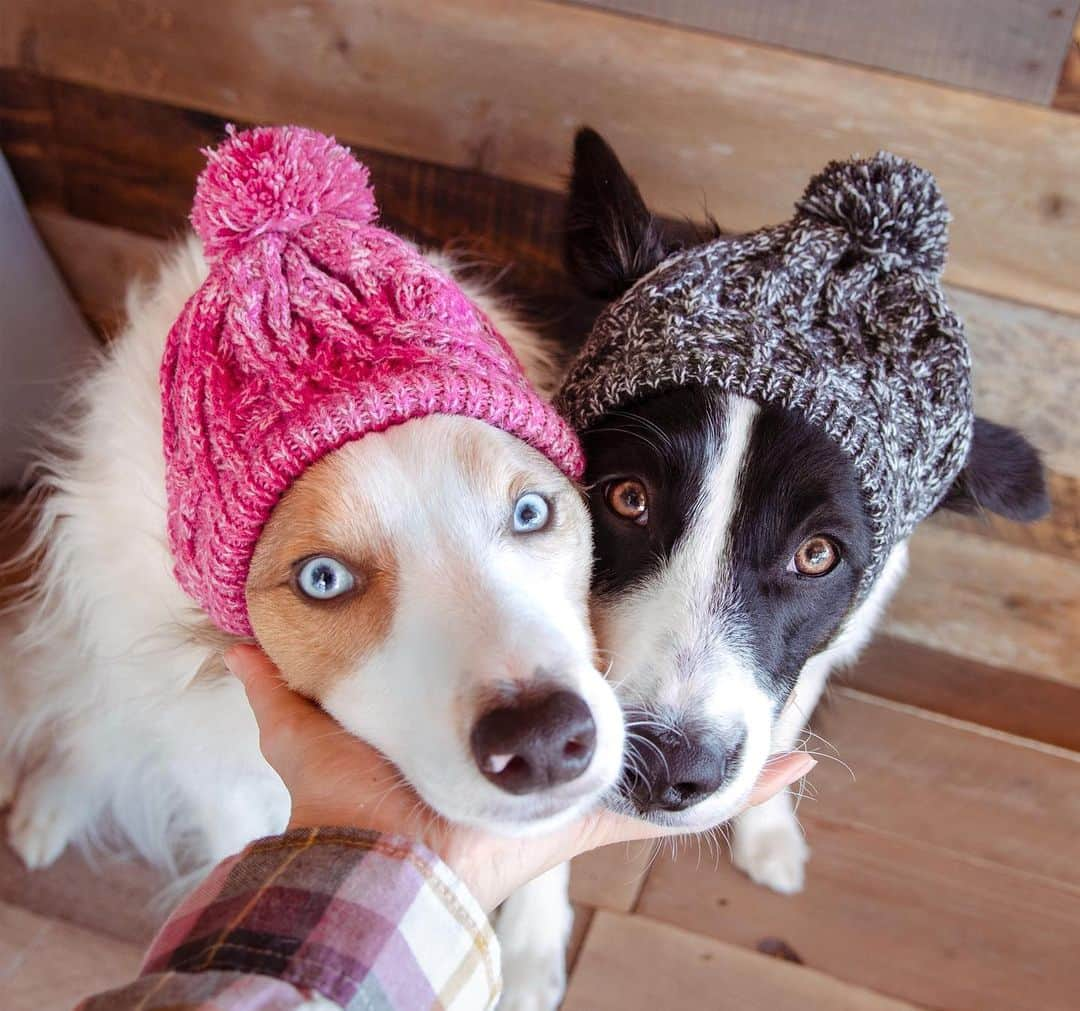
x=730 y=542
x=695 y=494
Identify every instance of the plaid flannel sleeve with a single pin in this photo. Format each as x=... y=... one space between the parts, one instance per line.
x=321 y=918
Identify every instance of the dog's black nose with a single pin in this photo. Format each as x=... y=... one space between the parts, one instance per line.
x=536 y=743
x=671 y=770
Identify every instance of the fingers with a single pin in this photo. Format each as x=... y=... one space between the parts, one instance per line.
x=333 y=777
x=336 y=779
x=251 y=665
x=780 y=772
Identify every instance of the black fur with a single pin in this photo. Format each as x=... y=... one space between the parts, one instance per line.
x=796 y=484
x=1003 y=475
x=611 y=238
x=661 y=443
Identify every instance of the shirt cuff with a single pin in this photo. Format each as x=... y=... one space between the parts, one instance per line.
x=366 y=920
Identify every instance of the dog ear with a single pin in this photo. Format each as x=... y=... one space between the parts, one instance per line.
x=611 y=238
x=1003 y=474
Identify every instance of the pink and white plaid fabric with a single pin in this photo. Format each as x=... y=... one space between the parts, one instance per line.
x=353 y=918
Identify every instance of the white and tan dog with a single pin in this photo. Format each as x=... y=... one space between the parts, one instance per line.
x=116 y=701
x=475 y=552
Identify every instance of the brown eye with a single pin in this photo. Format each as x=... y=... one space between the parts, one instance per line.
x=628 y=499
x=816 y=556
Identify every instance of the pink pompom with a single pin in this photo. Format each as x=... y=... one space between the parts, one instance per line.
x=276 y=179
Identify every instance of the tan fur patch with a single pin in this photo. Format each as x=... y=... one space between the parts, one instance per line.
x=313 y=642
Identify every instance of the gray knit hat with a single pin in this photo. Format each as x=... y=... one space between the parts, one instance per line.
x=837 y=314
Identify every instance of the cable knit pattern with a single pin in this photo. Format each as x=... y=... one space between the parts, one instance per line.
x=838 y=314
x=313 y=328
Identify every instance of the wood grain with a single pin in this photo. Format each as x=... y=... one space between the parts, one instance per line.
x=996 y=697
x=1026 y=371
x=583 y=917
x=895 y=769
x=46 y=964
x=111 y=896
x=612 y=877
x=535 y=70
x=520 y=225
x=894 y=915
x=945 y=852
x=1058 y=533
x=132 y=164
x=991 y=602
x=1001 y=47
x=85 y=151
x=634 y=964
x=98 y=263
x=72 y=148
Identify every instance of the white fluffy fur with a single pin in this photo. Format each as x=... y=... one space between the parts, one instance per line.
x=104 y=718
x=104 y=638
x=670 y=651
x=768 y=842
x=473 y=610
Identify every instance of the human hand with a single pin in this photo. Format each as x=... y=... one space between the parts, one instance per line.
x=335 y=778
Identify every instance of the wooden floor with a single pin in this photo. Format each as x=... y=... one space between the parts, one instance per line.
x=944 y=820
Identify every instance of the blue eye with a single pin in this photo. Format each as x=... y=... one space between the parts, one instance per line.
x=324 y=578
x=531 y=513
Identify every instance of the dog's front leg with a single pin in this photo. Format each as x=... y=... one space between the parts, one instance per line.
x=534 y=929
x=768 y=842
x=54 y=802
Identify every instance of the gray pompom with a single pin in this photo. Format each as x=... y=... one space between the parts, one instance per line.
x=892 y=210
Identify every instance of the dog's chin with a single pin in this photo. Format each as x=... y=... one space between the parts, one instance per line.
x=515 y=818
x=707 y=814
x=520 y=816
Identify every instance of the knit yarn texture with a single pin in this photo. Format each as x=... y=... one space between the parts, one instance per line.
x=837 y=314
x=314 y=327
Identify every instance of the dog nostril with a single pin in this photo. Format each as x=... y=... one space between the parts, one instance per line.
x=574 y=749
x=535 y=744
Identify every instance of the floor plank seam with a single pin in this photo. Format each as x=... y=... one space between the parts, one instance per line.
x=961 y=856
x=955 y=723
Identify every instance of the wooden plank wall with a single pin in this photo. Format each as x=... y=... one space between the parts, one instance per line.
x=746 y=123
x=942 y=875
x=998 y=46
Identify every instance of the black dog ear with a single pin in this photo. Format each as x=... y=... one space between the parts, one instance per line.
x=611 y=238
x=1003 y=474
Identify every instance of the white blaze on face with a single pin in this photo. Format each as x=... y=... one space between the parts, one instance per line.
x=677 y=642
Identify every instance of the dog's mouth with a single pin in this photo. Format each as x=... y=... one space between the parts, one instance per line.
x=541 y=812
x=704 y=814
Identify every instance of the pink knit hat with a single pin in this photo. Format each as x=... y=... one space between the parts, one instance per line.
x=313 y=328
